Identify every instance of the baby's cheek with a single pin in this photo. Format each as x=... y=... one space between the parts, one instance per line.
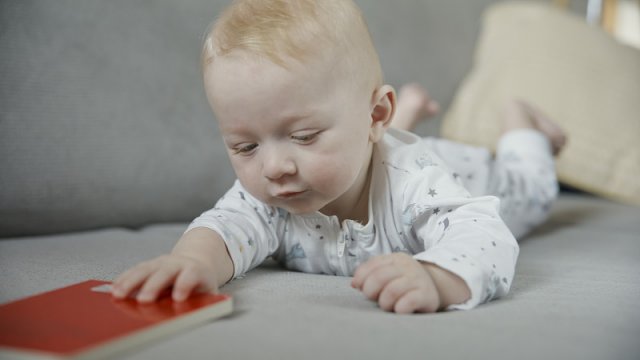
x=333 y=175
x=252 y=184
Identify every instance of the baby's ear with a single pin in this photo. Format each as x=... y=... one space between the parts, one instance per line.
x=383 y=106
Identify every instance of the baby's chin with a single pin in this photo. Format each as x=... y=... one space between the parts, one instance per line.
x=301 y=209
x=297 y=210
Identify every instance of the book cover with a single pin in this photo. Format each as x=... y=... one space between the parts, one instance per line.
x=84 y=321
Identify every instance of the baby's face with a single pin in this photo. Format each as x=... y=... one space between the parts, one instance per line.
x=297 y=138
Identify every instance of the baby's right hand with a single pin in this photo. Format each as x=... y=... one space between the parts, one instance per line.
x=151 y=278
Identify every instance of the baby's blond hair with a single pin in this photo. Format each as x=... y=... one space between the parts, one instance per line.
x=281 y=30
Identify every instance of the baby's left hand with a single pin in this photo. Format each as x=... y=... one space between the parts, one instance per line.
x=398 y=283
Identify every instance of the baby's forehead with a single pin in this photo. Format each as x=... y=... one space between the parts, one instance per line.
x=243 y=66
x=240 y=84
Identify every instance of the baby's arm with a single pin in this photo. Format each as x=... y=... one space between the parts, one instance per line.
x=199 y=261
x=402 y=284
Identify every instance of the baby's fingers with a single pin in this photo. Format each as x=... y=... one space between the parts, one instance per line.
x=393 y=291
x=131 y=280
x=162 y=278
x=365 y=270
x=416 y=300
x=376 y=281
x=188 y=280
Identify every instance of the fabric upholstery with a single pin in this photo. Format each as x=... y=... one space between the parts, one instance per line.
x=574 y=296
x=103 y=117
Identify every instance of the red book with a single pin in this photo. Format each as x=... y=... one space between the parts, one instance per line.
x=84 y=320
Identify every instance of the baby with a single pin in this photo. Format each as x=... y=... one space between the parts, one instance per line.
x=325 y=186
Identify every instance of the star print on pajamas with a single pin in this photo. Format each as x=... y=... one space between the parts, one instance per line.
x=296 y=252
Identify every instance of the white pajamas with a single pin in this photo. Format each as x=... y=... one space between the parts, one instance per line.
x=417 y=205
x=522 y=175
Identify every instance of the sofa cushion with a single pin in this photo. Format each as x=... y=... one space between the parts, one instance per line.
x=577 y=74
x=103 y=117
x=574 y=296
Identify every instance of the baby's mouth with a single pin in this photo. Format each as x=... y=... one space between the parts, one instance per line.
x=287 y=195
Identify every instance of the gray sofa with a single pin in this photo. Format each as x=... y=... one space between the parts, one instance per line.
x=108 y=149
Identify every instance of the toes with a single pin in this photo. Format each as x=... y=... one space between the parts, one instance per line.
x=416 y=98
x=432 y=108
x=558 y=143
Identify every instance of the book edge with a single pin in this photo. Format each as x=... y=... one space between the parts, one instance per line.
x=132 y=341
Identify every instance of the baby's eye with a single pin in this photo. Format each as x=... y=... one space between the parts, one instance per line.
x=304 y=138
x=244 y=150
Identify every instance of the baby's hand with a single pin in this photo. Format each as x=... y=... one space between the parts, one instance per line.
x=152 y=277
x=398 y=283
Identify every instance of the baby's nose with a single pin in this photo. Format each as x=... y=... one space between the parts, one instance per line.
x=277 y=164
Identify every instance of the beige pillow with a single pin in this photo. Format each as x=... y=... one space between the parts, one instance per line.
x=576 y=73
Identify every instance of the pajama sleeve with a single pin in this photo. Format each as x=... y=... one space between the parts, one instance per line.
x=247 y=226
x=463 y=235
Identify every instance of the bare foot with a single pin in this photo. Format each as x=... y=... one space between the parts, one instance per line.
x=414 y=105
x=521 y=114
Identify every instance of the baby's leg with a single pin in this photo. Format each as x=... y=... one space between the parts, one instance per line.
x=414 y=105
x=523 y=173
x=519 y=114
